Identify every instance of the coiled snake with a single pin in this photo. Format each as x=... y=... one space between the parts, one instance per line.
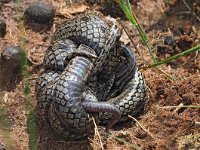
x=88 y=72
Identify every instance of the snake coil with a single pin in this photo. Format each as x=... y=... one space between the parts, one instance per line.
x=88 y=73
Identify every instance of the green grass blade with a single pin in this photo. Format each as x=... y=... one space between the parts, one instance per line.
x=22 y=42
x=5 y=127
x=196 y=48
x=126 y=8
x=32 y=131
x=27 y=101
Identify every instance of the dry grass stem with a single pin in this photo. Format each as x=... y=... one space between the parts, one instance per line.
x=142 y=127
x=166 y=74
x=179 y=107
x=192 y=13
x=97 y=133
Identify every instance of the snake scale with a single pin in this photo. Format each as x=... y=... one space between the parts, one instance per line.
x=88 y=73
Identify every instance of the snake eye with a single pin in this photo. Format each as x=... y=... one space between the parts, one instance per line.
x=115 y=32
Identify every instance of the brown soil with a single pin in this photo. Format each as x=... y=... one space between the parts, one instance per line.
x=171 y=28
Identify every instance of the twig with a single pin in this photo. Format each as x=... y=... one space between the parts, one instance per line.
x=44 y=29
x=193 y=13
x=166 y=74
x=5 y=97
x=142 y=127
x=147 y=131
x=184 y=106
x=97 y=133
x=197 y=123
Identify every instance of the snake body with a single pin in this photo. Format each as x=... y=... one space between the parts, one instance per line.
x=88 y=73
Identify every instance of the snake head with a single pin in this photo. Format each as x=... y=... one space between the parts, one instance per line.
x=115 y=30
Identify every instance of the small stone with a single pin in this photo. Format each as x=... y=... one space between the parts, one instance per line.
x=2 y=28
x=11 y=54
x=170 y=41
x=11 y=60
x=40 y=13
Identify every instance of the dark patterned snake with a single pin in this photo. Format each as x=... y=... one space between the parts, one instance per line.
x=88 y=73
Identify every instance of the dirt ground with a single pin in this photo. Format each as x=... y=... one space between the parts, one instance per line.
x=172 y=27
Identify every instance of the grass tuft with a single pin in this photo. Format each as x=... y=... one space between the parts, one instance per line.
x=126 y=8
x=5 y=125
x=22 y=42
x=169 y=59
x=32 y=131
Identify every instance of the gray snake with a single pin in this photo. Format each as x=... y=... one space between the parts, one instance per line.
x=88 y=72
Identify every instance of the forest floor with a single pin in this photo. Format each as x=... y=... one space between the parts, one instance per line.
x=172 y=27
